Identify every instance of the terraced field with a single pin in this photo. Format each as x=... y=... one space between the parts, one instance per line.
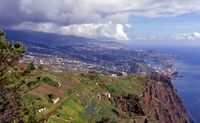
x=83 y=98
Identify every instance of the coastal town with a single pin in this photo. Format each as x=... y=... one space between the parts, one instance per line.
x=152 y=62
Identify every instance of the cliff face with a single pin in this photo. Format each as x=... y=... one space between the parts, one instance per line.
x=160 y=100
x=129 y=103
x=158 y=103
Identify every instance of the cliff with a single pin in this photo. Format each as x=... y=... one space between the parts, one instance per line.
x=158 y=102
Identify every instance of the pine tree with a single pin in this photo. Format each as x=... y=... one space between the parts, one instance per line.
x=10 y=92
x=12 y=106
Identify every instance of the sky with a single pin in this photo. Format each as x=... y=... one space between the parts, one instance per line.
x=161 y=21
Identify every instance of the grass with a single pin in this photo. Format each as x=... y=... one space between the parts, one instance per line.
x=88 y=89
x=54 y=119
x=70 y=111
x=30 y=98
x=130 y=84
x=47 y=80
x=74 y=108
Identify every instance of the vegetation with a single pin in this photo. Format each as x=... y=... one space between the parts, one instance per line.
x=25 y=89
x=29 y=68
x=12 y=85
x=83 y=104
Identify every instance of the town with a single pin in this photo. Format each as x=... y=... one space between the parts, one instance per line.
x=143 y=63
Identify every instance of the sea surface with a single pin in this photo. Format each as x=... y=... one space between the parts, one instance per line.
x=188 y=86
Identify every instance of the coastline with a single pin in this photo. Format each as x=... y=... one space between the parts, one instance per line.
x=181 y=82
x=187 y=82
x=161 y=100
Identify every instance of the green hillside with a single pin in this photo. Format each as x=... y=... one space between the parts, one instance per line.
x=82 y=97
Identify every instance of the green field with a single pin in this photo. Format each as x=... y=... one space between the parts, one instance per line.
x=80 y=102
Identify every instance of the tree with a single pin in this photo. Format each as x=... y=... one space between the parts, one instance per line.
x=13 y=107
x=29 y=68
x=10 y=91
x=10 y=53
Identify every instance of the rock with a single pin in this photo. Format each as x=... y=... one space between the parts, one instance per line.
x=128 y=103
x=158 y=103
x=162 y=102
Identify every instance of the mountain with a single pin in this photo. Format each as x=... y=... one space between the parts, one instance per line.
x=52 y=40
x=61 y=53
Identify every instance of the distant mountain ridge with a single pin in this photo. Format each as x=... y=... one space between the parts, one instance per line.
x=31 y=37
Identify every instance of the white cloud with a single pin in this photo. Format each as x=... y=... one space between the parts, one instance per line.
x=189 y=36
x=106 y=30
x=90 y=11
x=66 y=12
x=75 y=16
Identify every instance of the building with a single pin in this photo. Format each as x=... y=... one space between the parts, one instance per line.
x=55 y=100
x=42 y=109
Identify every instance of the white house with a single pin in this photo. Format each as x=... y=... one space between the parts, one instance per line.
x=107 y=95
x=59 y=84
x=42 y=109
x=55 y=100
x=114 y=75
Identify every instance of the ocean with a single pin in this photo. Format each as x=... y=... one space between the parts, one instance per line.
x=188 y=86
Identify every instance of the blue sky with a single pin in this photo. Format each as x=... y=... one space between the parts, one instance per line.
x=165 y=26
